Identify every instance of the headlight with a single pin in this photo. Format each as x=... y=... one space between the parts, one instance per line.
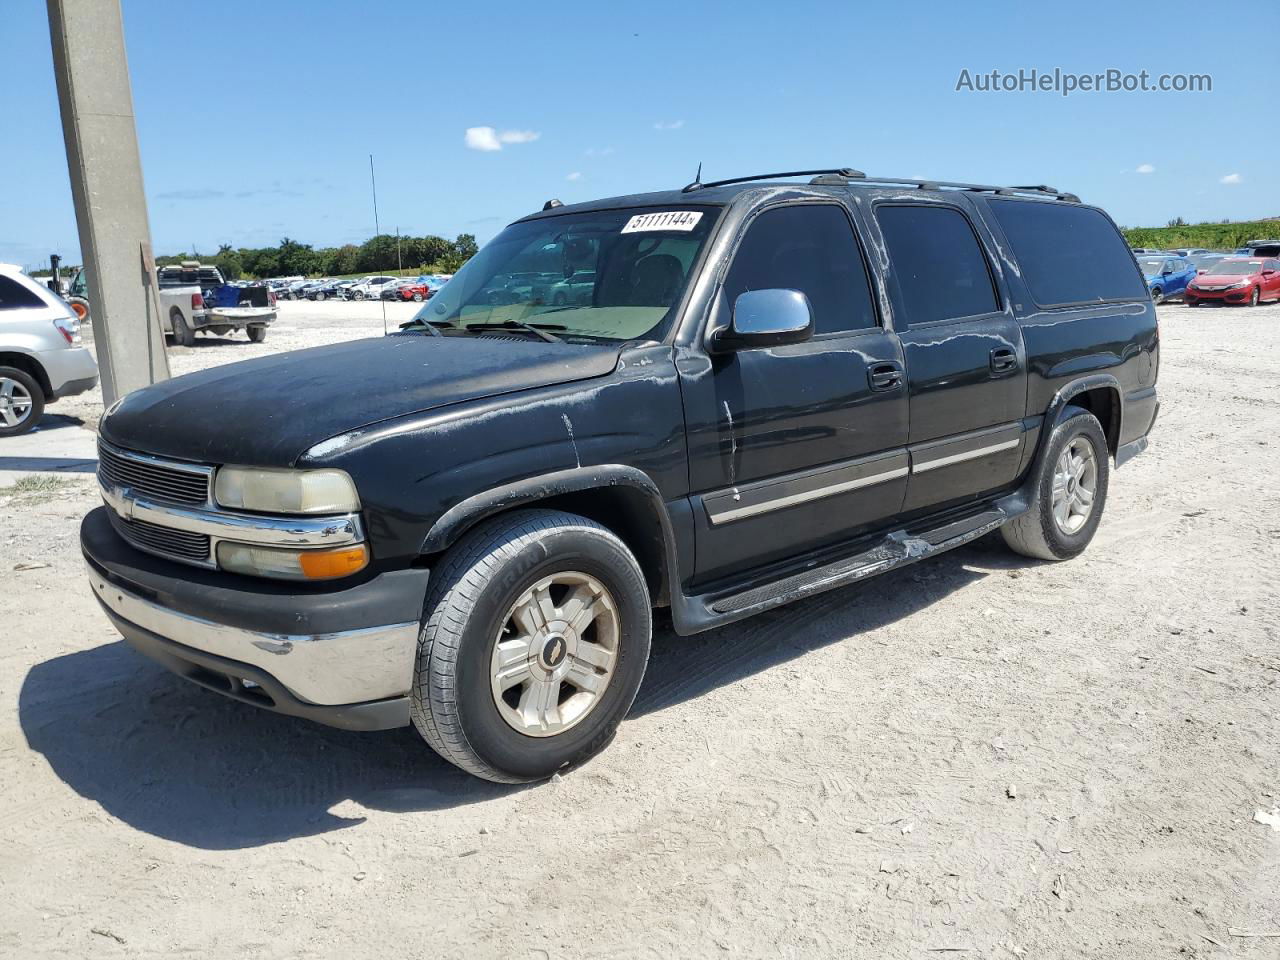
x=1238 y=284
x=292 y=564
x=285 y=491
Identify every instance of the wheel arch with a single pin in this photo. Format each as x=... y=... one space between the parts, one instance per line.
x=28 y=365
x=1100 y=394
x=619 y=497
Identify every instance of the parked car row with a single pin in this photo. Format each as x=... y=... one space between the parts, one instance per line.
x=1248 y=275
x=416 y=289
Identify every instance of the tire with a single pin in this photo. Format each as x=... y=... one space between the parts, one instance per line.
x=470 y=607
x=1157 y=295
x=1255 y=298
x=21 y=402
x=417 y=298
x=80 y=307
x=358 y=295
x=183 y=335
x=257 y=334
x=320 y=295
x=1190 y=303
x=1038 y=532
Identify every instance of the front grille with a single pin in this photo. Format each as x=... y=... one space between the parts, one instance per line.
x=178 y=544
x=149 y=478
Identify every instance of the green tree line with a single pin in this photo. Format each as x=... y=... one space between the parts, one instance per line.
x=1211 y=236
x=379 y=254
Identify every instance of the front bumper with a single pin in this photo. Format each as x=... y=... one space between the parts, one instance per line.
x=1238 y=295
x=342 y=655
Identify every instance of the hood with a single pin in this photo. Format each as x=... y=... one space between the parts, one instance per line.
x=269 y=411
x=1215 y=279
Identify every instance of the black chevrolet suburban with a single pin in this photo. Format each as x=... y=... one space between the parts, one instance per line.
x=763 y=388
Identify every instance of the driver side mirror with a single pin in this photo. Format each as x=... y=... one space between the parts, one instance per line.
x=767 y=318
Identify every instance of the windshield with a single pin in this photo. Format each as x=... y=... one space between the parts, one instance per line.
x=1152 y=264
x=610 y=274
x=1237 y=268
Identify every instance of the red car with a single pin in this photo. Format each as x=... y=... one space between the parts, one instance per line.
x=417 y=292
x=1248 y=280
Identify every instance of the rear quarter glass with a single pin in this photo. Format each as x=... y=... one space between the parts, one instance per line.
x=1068 y=254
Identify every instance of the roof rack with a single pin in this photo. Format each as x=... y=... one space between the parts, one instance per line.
x=845 y=175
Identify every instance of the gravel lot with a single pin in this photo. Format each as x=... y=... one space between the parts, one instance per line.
x=979 y=753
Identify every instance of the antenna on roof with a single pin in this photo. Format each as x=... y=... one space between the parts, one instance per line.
x=697 y=180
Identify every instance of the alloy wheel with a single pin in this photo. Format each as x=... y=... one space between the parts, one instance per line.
x=555 y=654
x=15 y=403
x=1075 y=484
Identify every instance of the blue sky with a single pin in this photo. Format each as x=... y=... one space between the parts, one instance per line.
x=265 y=130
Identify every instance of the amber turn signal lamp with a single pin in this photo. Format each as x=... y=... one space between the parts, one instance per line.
x=328 y=564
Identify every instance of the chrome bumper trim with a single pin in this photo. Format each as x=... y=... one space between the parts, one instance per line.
x=241 y=527
x=328 y=669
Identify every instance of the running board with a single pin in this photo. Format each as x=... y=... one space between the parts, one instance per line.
x=896 y=550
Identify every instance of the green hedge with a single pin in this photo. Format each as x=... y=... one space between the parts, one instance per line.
x=1211 y=236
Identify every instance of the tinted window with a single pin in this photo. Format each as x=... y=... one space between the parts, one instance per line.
x=939 y=266
x=1068 y=254
x=811 y=249
x=14 y=295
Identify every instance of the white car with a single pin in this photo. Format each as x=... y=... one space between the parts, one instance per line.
x=370 y=288
x=41 y=355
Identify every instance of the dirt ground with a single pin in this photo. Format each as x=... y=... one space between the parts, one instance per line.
x=978 y=754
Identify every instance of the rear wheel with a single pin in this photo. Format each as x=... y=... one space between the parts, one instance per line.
x=21 y=402
x=183 y=335
x=257 y=334
x=358 y=295
x=1070 y=492
x=320 y=295
x=535 y=639
x=417 y=298
x=80 y=307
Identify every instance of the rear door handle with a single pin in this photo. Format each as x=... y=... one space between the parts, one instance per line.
x=1003 y=360
x=884 y=376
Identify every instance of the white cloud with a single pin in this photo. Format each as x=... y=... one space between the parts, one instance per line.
x=671 y=125
x=574 y=176
x=1145 y=168
x=489 y=139
x=599 y=151
x=482 y=138
x=1232 y=178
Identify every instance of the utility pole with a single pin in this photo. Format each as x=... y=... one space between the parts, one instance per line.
x=106 y=185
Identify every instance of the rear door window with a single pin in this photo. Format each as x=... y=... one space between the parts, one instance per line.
x=937 y=262
x=1067 y=253
x=15 y=296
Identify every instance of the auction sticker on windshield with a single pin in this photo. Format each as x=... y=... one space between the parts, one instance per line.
x=682 y=220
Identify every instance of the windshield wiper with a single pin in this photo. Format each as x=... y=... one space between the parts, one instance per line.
x=537 y=329
x=431 y=326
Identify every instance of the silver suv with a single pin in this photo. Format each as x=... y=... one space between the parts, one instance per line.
x=41 y=356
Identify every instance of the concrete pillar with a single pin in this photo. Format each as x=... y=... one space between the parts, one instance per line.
x=106 y=185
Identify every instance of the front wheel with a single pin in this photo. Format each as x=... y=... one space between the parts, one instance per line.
x=1069 y=495
x=357 y=295
x=417 y=298
x=1157 y=295
x=534 y=641
x=1255 y=298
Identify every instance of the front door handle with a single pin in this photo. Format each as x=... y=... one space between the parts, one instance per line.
x=1003 y=360
x=884 y=376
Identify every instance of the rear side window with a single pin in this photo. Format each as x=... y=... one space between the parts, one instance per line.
x=14 y=295
x=940 y=269
x=810 y=248
x=1068 y=254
